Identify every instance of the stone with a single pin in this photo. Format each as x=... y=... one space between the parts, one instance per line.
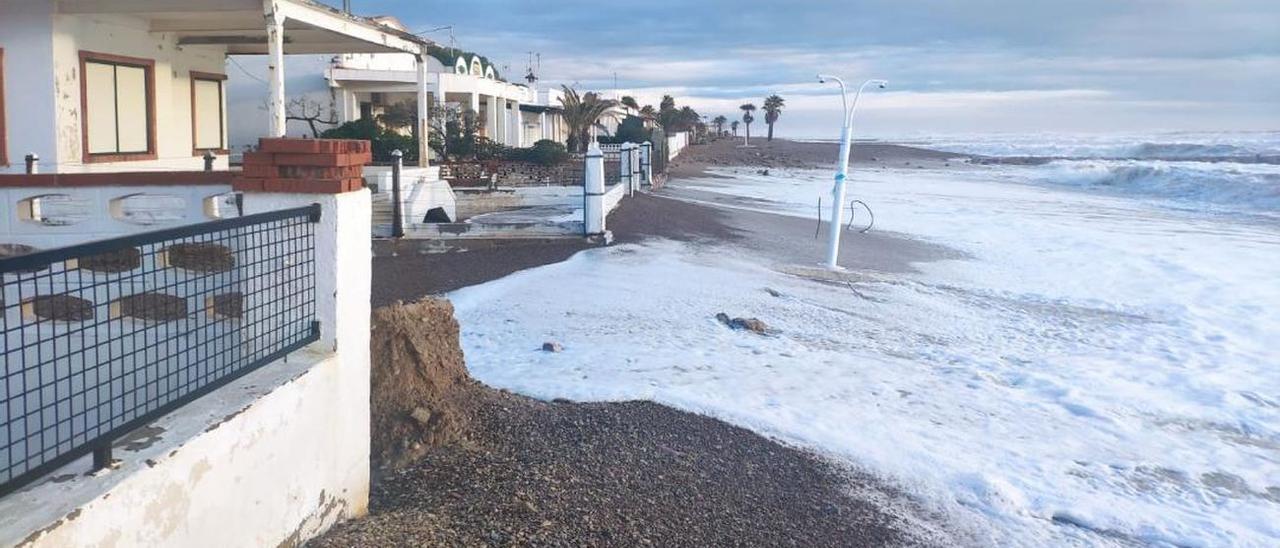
x=422 y=415
x=743 y=324
x=552 y=346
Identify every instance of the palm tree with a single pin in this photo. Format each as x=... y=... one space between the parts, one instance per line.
x=734 y=127
x=772 y=110
x=581 y=113
x=630 y=102
x=648 y=113
x=747 y=118
x=719 y=122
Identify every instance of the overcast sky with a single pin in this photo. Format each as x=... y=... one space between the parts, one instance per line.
x=954 y=66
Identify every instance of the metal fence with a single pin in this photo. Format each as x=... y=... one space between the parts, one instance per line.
x=103 y=337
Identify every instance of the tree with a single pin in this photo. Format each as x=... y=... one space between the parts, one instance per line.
x=747 y=118
x=772 y=110
x=581 y=113
x=400 y=115
x=719 y=122
x=734 y=126
x=630 y=102
x=310 y=111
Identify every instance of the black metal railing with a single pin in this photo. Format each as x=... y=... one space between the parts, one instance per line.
x=103 y=337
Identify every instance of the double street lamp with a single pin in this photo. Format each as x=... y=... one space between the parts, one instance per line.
x=846 y=136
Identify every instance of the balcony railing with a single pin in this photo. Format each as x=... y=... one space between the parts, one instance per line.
x=101 y=338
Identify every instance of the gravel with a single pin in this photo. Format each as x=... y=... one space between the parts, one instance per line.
x=615 y=474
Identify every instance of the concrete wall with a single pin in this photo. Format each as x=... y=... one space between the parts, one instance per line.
x=264 y=461
x=90 y=215
x=130 y=36
x=25 y=30
x=42 y=62
x=274 y=458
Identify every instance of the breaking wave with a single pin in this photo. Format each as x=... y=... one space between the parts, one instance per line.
x=1253 y=187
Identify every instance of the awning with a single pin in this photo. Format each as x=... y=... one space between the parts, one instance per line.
x=310 y=27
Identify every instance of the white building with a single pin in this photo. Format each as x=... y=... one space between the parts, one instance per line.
x=512 y=114
x=137 y=85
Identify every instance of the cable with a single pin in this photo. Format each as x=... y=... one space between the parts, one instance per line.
x=242 y=69
x=853 y=213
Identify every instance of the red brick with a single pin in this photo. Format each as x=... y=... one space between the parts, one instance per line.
x=323 y=159
x=259 y=171
x=258 y=159
x=312 y=186
x=285 y=144
x=311 y=172
x=246 y=184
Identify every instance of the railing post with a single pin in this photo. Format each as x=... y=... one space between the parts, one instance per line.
x=646 y=163
x=208 y=160
x=593 y=192
x=33 y=163
x=397 y=215
x=102 y=457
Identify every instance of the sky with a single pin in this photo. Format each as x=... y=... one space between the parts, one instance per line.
x=973 y=66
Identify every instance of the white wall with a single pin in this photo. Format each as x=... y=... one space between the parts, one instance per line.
x=274 y=458
x=98 y=221
x=25 y=34
x=129 y=36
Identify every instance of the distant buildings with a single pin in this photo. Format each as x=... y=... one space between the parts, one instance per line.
x=512 y=114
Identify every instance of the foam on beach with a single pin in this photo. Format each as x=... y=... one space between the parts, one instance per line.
x=1102 y=369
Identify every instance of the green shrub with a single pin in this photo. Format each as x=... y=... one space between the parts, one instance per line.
x=382 y=141
x=547 y=152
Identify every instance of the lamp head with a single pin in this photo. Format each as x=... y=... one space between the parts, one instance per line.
x=822 y=78
x=880 y=83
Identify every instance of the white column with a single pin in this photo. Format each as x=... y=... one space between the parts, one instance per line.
x=475 y=103
x=636 y=179
x=518 y=124
x=504 y=122
x=343 y=253
x=646 y=163
x=593 y=191
x=624 y=168
x=424 y=128
x=494 y=117
x=275 y=67
x=543 y=130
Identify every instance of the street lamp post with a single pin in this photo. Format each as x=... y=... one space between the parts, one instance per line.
x=837 y=191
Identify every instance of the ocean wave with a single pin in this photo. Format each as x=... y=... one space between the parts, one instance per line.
x=1243 y=146
x=1245 y=186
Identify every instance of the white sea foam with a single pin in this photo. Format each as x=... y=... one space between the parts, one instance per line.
x=1101 y=371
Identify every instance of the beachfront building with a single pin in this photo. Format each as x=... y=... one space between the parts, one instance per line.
x=512 y=114
x=139 y=85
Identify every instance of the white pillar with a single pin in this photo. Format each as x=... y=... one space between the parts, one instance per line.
x=275 y=67
x=475 y=103
x=646 y=163
x=543 y=130
x=624 y=168
x=504 y=122
x=424 y=127
x=593 y=192
x=518 y=125
x=636 y=179
x=343 y=253
x=491 y=123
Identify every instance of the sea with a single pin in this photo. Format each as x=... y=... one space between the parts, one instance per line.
x=1097 y=366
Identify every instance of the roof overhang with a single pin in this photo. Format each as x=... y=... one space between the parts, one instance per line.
x=240 y=26
x=539 y=108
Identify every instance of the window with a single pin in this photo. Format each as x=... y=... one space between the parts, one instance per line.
x=4 y=145
x=208 y=121
x=117 y=107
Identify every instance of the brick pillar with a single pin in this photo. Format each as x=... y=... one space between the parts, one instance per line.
x=326 y=166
